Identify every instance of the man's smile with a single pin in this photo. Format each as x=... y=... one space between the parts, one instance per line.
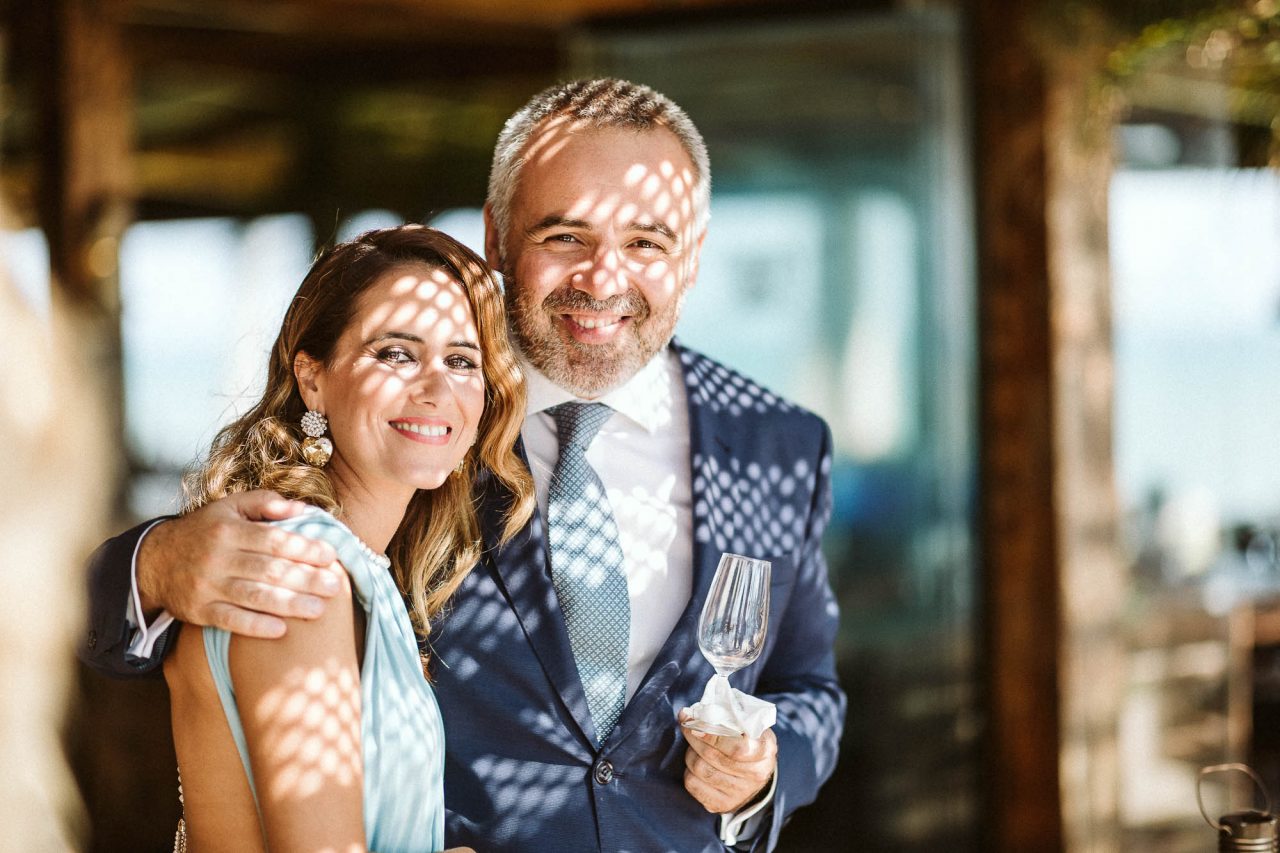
x=594 y=328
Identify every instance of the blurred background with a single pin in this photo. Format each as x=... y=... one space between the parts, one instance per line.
x=1024 y=257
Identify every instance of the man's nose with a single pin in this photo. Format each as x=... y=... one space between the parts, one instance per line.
x=605 y=275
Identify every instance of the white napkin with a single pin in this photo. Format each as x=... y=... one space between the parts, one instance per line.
x=725 y=710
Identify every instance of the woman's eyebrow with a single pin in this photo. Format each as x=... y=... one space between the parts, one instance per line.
x=412 y=338
x=402 y=336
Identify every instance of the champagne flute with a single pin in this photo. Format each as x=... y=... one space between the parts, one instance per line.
x=734 y=620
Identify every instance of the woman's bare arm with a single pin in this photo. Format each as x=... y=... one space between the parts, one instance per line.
x=299 y=699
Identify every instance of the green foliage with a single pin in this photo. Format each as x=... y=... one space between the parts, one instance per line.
x=1240 y=41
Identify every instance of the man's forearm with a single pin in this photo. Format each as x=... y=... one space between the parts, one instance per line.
x=146 y=605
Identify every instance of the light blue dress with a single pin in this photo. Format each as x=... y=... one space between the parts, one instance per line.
x=401 y=731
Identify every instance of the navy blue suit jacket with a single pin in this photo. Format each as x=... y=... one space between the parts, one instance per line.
x=523 y=770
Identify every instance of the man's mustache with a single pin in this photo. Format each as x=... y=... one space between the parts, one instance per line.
x=569 y=299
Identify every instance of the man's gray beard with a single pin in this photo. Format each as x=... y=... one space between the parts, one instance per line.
x=585 y=370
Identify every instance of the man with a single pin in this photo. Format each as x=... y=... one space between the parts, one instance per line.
x=561 y=669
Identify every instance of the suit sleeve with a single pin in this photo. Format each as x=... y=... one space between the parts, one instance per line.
x=800 y=676
x=103 y=647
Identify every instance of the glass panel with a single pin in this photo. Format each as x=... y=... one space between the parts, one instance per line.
x=1197 y=363
x=464 y=224
x=201 y=303
x=837 y=271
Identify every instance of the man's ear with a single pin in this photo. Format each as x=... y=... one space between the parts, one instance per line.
x=306 y=370
x=492 y=240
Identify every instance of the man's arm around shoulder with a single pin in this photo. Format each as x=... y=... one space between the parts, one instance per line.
x=214 y=566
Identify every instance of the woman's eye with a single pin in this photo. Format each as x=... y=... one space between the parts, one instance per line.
x=461 y=362
x=395 y=355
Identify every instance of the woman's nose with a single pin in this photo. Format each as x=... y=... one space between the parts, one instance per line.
x=431 y=384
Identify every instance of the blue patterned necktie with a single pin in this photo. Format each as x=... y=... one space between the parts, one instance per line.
x=586 y=565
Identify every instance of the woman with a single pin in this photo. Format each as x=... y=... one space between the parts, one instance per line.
x=391 y=383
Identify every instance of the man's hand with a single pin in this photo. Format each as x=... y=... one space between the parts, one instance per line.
x=216 y=566
x=725 y=773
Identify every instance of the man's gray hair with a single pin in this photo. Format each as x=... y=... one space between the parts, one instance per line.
x=602 y=103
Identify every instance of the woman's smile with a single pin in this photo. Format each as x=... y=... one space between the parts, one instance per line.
x=425 y=430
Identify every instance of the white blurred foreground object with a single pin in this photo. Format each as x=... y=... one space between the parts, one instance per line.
x=54 y=486
x=731 y=634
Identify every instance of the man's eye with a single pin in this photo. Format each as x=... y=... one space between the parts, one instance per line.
x=562 y=238
x=395 y=355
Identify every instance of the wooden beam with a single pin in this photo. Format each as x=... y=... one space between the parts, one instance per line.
x=301 y=15
x=351 y=56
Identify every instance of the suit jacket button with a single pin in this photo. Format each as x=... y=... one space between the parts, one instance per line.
x=93 y=639
x=603 y=772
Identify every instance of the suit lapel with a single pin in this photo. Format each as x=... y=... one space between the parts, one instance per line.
x=708 y=454
x=520 y=570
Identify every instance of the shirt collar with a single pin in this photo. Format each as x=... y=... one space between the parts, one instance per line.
x=644 y=398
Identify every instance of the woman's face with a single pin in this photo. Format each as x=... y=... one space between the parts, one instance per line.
x=404 y=389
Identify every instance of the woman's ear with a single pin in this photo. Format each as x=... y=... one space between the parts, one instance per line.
x=307 y=371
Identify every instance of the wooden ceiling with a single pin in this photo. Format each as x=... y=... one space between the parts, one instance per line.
x=245 y=107
x=294 y=17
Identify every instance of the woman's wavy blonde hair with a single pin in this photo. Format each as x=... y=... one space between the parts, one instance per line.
x=438 y=541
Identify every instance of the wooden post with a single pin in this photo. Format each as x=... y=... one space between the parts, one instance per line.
x=1016 y=402
x=118 y=738
x=1055 y=583
x=86 y=167
x=1093 y=579
x=85 y=102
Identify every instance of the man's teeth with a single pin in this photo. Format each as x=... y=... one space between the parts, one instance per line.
x=422 y=429
x=588 y=323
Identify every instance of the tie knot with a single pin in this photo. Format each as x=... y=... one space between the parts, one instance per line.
x=578 y=423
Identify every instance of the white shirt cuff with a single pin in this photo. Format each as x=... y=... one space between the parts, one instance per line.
x=746 y=823
x=144 y=635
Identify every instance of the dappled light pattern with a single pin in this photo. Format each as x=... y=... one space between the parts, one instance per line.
x=602 y=249
x=747 y=508
x=776 y=511
x=725 y=390
x=522 y=762
x=313 y=727
x=400 y=737
x=587 y=565
x=485 y=668
x=409 y=361
x=598 y=248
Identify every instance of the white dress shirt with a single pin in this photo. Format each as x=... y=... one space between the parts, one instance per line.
x=641 y=455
